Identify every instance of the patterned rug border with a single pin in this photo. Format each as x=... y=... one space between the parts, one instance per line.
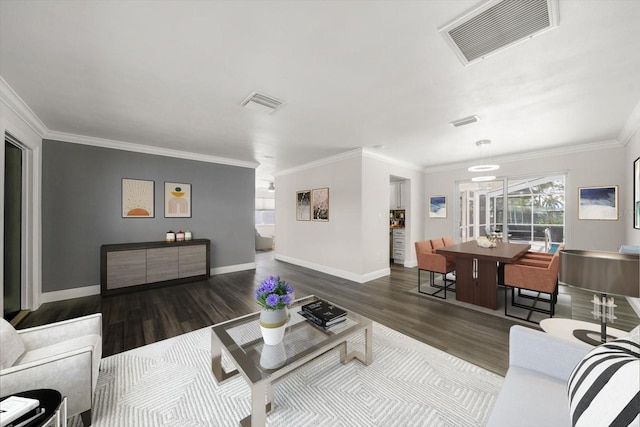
x=169 y=383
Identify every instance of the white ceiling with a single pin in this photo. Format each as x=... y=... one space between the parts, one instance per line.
x=172 y=74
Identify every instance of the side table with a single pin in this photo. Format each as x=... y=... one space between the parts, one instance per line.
x=54 y=404
x=564 y=328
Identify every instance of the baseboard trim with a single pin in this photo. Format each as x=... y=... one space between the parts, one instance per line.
x=86 y=291
x=232 y=268
x=359 y=278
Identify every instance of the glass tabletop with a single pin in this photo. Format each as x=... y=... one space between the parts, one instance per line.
x=241 y=339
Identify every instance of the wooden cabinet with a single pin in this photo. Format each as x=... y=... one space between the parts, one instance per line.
x=398 y=195
x=190 y=261
x=130 y=266
x=398 y=245
x=162 y=264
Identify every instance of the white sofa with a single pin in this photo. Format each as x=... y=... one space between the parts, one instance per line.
x=64 y=356
x=534 y=392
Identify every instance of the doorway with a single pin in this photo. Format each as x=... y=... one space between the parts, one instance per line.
x=13 y=197
x=399 y=208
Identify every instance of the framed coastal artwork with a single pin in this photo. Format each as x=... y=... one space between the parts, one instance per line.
x=320 y=204
x=636 y=193
x=303 y=205
x=438 y=207
x=177 y=200
x=599 y=203
x=137 y=198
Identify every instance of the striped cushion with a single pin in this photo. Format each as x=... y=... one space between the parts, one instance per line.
x=604 y=388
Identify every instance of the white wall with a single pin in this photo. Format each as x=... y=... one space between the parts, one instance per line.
x=334 y=246
x=598 y=167
x=354 y=244
x=626 y=206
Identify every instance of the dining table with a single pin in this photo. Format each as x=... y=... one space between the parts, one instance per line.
x=480 y=269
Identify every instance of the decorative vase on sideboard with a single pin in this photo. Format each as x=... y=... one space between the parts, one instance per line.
x=273 y=324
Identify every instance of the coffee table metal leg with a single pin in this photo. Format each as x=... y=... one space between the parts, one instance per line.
x=259 y=409
x=366 y=357
x=216 y=361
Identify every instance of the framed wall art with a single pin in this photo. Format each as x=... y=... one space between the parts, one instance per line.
x=320 y=204
x=137 y=198
x=636 y=193
x=438 y=207
x=303 y=205
x=599 y=203
x=177 y=200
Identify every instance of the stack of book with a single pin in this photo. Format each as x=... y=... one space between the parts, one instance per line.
x=323 y=314
x=19 y=411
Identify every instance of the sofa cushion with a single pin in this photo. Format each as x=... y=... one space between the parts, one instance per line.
x=604 y=388
x=60 y=348
x=530 y=399
x=10 y=343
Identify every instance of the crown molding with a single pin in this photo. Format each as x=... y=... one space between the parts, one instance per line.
x=367 y=152
x=603 y=145
x=631 y=126
x=322 y=162
x=357 y=152
x=145 y=149
x=16 y=104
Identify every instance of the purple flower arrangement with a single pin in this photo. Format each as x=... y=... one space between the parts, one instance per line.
x=274 y=293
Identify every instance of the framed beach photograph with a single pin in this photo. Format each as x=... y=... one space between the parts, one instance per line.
x=303 y=205
x=636 y=193
x=320 y=204
x=137 y=198
x=177 y=200
x=438 y=207
x=600 y=203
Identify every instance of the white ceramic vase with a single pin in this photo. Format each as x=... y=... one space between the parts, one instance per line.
x=273 y=324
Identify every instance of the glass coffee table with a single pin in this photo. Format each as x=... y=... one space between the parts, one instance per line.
x=263 y=365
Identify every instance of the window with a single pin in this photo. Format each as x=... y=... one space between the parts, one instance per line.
x=533 y=204
x=265 y=211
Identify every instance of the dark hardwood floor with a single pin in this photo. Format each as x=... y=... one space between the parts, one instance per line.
x=139 y=318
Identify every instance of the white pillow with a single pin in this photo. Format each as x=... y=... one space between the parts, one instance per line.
x=10 y=343
x=604 y=388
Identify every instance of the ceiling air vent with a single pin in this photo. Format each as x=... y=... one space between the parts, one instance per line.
x=464 y=121
x=261 y=102
x=498 y=24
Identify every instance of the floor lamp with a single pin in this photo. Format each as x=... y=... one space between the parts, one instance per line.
x=607 y=273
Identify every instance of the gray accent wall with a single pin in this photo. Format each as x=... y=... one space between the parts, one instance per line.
x=81 y=208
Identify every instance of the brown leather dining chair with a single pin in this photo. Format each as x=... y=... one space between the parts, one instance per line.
x=429 y=260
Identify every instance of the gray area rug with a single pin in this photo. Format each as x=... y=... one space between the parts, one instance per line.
x=563 y=306
x=169 y=383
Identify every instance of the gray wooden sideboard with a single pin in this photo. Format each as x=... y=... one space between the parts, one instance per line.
x=134 y=266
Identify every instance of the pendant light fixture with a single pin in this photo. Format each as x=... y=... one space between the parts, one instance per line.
x=484 y=165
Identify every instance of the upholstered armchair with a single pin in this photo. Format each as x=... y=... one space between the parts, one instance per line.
x=63 y=356
x=263 y=243
x=432 y=262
